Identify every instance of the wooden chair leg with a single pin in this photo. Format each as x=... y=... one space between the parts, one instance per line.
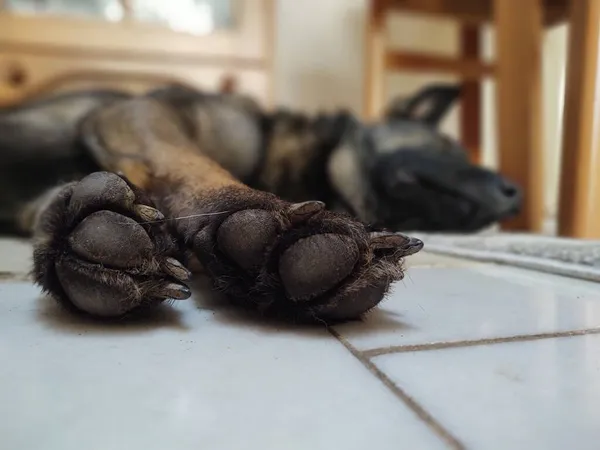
x=471 y=96
x=375 y=48
x=519 y=67
x=579 y=199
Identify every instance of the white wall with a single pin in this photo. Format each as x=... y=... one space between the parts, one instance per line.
x=319 y=53
x=319 y=65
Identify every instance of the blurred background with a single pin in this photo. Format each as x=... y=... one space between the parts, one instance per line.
x=312 y=55
x=320 y=62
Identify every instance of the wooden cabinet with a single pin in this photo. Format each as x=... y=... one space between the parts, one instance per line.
x=48 y=45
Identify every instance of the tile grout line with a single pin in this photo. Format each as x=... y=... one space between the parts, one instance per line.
x=473 y=343
x=436 y=427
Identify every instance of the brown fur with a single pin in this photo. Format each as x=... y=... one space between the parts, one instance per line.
x=82 y=257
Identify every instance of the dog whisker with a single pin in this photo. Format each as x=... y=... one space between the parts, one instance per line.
x=191 y=216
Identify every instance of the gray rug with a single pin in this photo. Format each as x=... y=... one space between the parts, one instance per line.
x=562 y=256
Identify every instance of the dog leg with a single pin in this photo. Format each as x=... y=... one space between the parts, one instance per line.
x=297 y=261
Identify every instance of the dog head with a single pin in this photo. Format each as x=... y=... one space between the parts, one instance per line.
x=403 y=173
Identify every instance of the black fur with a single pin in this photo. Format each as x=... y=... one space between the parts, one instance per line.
x=406 y=175
x=104 y=249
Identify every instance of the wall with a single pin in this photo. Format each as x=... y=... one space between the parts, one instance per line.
x=319 y=52
x=319 y=65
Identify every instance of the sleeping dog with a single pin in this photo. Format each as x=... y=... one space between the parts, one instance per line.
x=125 y=193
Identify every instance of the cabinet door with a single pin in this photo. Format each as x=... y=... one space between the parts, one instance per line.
x=209 y=28
x=44 y=43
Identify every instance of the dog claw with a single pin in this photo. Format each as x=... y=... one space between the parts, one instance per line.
x=176 y=269
x=148 y=213
x=384 y=240
x=175 y=291
x=300 y=212
x=395 y=241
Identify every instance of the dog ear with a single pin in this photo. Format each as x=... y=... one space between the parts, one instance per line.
x=429 y=105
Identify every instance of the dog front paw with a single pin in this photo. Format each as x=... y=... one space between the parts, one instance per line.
x=102 y=249
x=298 y=261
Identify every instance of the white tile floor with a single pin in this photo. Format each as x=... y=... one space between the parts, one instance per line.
x=462 y=355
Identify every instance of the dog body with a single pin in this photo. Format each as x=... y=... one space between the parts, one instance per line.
x=124 y=239
x=152 y=186
x=400 y=173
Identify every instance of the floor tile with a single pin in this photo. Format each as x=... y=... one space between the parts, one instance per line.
x=15 y=256
x=189 y=378
x=439 y=304
x=426 y=259
x=541 y=394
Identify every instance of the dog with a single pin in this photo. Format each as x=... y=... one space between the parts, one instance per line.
x=157 y=183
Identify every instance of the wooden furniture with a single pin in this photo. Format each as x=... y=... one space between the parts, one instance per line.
x=579 y=204
x=46 y=46
x=518 y=68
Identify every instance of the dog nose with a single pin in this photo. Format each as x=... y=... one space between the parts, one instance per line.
x=508 y=189
x=508 y=196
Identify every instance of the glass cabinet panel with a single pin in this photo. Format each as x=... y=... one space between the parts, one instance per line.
x=198 y=17
x=190 y=16
x=111 y=10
